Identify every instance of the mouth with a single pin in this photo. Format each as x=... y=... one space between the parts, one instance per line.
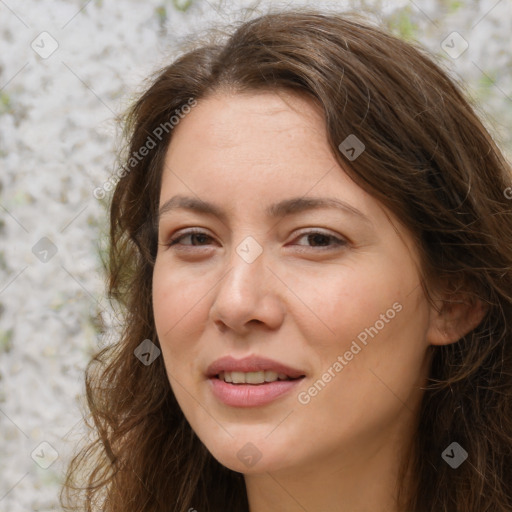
x=254 y=378
x=251 y=382
x=251 y=370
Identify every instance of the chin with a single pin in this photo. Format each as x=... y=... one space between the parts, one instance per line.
x=250 y=457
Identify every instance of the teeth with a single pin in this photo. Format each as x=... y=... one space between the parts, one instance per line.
x=252 y=377
x=270 y=376
x=238 y=377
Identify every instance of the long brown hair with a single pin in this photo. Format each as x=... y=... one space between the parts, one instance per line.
x=427 y=158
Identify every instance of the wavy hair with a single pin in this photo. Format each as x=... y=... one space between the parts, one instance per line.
x=428 y=158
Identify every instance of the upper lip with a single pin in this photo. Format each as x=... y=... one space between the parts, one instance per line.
x=251 y=364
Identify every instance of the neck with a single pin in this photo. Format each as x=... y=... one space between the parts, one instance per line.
x=363 y=478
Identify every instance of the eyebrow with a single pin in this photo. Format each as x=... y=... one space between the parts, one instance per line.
x=278 y=210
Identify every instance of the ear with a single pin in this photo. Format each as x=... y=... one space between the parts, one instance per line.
x=454 y=317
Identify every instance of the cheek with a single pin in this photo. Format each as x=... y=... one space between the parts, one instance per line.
x=379 y=307
x=180 y=306
x=341 y=303
x=177 y=297
x=371 y=368
x=380 y=336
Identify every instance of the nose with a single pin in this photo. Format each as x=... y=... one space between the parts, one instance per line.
x=247 y=296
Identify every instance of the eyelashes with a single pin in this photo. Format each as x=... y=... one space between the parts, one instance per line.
x=191 y=233
x=313 y=236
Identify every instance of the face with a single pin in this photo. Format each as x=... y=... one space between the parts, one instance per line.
x=278 y=263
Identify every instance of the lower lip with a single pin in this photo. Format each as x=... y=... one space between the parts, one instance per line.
x=251 y=395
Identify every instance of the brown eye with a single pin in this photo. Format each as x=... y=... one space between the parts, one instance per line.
x=321 y=239
x=200 y=237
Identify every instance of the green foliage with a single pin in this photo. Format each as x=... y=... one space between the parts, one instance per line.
x=6 y=340
x=5 y=103
x=182 y=5
x=179 y=5
x=3 y=262
x=455 y=5
x=161 y=13
x=484 y=86
x=402 y=25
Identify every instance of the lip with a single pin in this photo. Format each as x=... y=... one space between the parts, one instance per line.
x=251 y=395
x=251 y=364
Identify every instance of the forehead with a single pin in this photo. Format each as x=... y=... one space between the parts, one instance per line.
x=248 y=151
x=277 y=137
x=258 y=122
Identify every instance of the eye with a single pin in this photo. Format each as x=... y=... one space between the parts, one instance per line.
x=194 y=234
x=316 y=239
x=321 y=239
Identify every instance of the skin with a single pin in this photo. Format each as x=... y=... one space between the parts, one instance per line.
x=302 y=301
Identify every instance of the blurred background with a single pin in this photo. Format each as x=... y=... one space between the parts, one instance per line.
x=68 y=69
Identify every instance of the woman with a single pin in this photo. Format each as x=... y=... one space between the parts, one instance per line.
x=312 y=242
